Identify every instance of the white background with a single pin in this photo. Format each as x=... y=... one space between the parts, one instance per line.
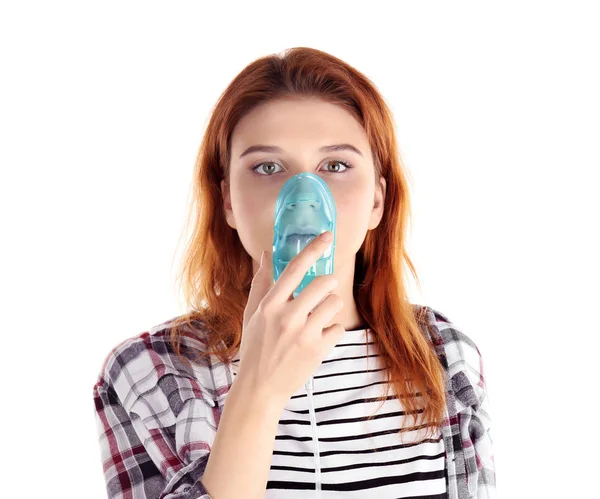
x=103 y=106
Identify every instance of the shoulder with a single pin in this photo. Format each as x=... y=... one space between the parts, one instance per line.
x=459 y=347
x=146 y=363
x=459 y=354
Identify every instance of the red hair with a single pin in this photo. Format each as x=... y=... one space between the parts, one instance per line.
x=217 y=271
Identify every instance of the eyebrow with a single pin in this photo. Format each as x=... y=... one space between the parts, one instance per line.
x=335 y=147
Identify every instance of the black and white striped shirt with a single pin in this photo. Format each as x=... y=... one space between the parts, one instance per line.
x=326 y=441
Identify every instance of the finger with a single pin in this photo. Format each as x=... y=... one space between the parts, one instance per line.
x=323 y=313
x=260 y=285
x=293 y=273
x=313 y=294
x=331 y=336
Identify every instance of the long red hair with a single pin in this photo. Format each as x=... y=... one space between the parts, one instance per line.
x=216 y=270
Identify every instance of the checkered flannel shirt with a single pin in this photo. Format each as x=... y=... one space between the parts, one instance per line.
x=157 y=418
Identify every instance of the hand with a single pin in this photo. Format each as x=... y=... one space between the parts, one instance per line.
x=284 y=339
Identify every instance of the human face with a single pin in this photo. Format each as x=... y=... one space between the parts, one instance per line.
x=300 y=127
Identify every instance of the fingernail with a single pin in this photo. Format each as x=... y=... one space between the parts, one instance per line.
x=326 y=236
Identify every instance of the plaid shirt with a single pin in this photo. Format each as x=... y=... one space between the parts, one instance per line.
x=157 y=418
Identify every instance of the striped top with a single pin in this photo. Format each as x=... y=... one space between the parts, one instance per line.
x=157 y=419
x=324 y=438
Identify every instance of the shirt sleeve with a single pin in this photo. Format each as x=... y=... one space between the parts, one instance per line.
x=468 y=381
x=155 y=442
x=477 y=431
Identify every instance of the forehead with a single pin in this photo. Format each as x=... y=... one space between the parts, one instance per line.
x=305 y=119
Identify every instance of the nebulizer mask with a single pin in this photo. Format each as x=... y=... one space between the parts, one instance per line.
x=304 y=209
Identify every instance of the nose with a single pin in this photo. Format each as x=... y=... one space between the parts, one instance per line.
x=303 y=197
x=303 y=204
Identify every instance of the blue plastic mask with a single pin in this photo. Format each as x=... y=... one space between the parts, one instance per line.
x=304 y=209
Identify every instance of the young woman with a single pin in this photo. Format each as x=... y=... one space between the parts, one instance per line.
x=347 y=390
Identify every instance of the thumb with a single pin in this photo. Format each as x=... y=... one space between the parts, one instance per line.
x=261 y=283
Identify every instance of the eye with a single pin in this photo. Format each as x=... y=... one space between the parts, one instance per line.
x=336 y=162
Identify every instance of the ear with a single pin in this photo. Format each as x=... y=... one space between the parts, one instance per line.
x=378 y=204
x=227 y=204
